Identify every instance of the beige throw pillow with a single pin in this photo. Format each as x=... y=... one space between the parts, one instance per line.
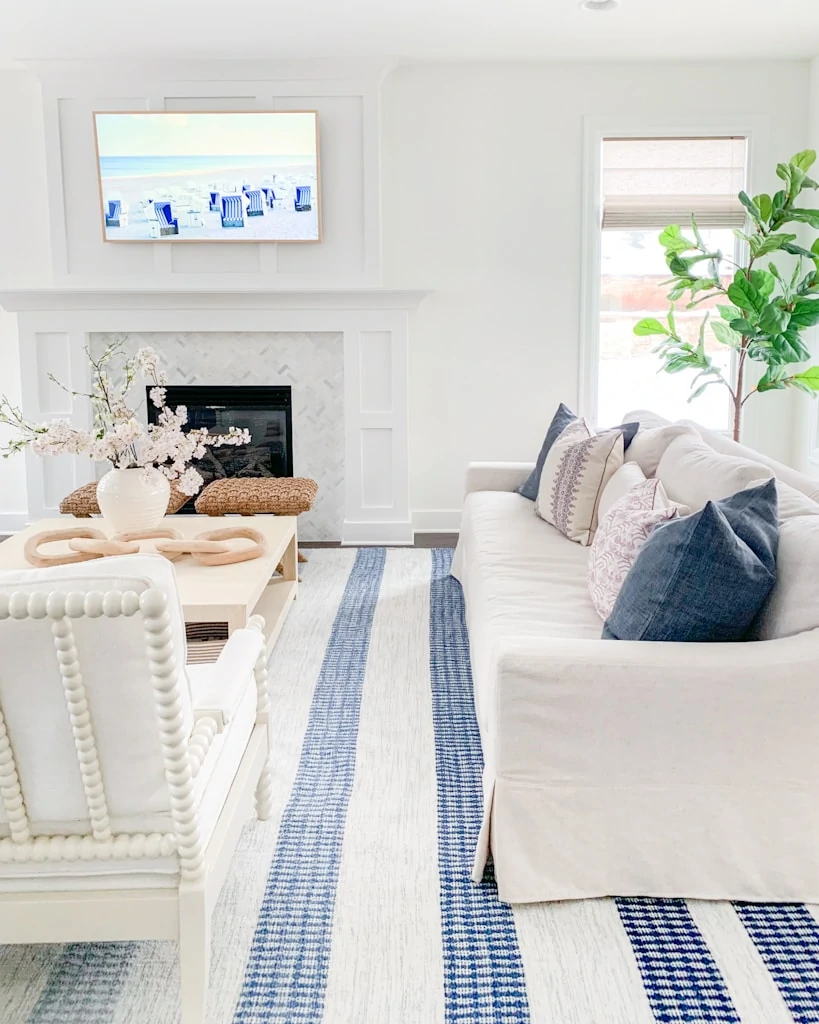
x=577 y=468
x=627 y=476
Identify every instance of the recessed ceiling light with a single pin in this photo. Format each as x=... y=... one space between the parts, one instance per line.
x=599 y=5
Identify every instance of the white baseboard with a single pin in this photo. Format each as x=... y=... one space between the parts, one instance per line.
x=436 y=520
x=386 y=533
x=11 y=522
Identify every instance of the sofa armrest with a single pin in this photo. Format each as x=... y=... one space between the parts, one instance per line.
x=496 y=476
x=217 y=689
x=609 y=712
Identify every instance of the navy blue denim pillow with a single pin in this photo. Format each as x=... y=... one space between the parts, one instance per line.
x=704 y=577
x=561 y=419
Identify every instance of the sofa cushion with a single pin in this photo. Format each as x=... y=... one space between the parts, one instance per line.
x=622 y=532
x=793 y=606
x=629 y=475
x=521 y=578
x=562 y=419
x=693 y=473
x=703 y=577
x=574 y=475
x=649 y=446
x=793 y=503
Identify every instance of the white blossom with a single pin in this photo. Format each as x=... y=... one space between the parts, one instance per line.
x=117 y=436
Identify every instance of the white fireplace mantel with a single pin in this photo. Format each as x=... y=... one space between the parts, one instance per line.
x=53 y=331
x=70 y=299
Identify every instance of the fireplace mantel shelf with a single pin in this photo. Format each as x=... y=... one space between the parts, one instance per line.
x=74 y=299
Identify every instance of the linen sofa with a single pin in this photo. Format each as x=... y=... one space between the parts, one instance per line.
x=637 y=768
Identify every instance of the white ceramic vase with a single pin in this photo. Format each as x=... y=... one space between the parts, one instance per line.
x=133 y=499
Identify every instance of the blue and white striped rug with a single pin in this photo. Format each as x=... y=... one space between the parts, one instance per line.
x=353 y=905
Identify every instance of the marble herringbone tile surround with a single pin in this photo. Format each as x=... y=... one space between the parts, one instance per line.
x=311 y=363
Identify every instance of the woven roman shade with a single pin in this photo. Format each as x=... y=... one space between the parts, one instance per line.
x=649 y=183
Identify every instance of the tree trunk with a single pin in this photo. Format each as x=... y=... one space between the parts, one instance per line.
x=738 y=395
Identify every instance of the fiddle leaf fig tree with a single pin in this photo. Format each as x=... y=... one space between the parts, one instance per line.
x=762 y=312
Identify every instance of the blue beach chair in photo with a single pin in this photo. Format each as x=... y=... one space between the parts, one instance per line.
x=255 y=204
x=215 y=202
x=232 y=215
x=269 y=196
x=168 y=224
x=303 y=198
x=112 y=216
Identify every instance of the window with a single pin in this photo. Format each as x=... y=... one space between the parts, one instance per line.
x=648 y=184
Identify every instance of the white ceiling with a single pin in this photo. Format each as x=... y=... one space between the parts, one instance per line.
x=416 y=29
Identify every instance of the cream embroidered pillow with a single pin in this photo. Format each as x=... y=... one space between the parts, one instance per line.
x=577 y=468
x=622 y=532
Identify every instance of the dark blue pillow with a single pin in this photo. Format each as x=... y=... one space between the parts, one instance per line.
x=561 y=419
x=704 y=577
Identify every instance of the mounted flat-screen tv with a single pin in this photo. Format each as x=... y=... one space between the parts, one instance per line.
x=209 y=177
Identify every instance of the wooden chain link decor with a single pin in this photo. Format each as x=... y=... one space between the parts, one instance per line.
x=208 y=548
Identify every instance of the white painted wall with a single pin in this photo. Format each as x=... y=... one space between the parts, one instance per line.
x=482 y=177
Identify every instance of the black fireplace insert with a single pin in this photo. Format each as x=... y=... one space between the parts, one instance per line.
x=265 y=411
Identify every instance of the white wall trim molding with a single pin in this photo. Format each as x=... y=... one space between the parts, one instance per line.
x=595 y=129
x=76 y=299
x=375 y=340
x=436 y=520
x=346 y=95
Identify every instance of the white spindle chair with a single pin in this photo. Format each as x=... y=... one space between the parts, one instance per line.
x=125 y=776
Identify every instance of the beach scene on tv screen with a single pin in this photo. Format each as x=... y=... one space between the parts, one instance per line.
x=208 y=177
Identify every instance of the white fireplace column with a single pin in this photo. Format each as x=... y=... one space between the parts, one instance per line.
x=53 y=330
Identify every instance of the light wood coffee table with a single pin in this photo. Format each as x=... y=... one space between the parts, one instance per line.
x=221 y=593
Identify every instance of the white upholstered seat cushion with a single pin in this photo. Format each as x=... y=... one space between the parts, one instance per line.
x=212 y=784
x=525 y=579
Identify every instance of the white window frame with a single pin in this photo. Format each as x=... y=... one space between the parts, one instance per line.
x=595 y=129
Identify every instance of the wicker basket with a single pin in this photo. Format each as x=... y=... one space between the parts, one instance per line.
x=82 y=503
x=250 y=496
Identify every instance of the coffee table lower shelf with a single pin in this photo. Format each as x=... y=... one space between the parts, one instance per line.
x=273 y=606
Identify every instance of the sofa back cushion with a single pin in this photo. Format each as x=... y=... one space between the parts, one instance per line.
x=629 y=475
x=650 y=444
x=793 y=606
x=694 y=474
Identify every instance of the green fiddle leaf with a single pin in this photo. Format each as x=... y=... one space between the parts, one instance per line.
x=751 y=207
x=804 y=159
x=815 y=249
x=773 y=320
x=724 y=334
x=742 y=326
x=743 y=293
x=797 y=250
x=809 y=377
x=792 y=338
x=728 y=313
x=810 y=183
x=672 y=239
x=783 y=171
x=763 y=281
x=761 y=246
x=649 y=326
x=697 y=235
x=672 y=323
x=805 y=313
x=698 y=391
x=764 y=204
x=804 y=216
x=769 y=381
